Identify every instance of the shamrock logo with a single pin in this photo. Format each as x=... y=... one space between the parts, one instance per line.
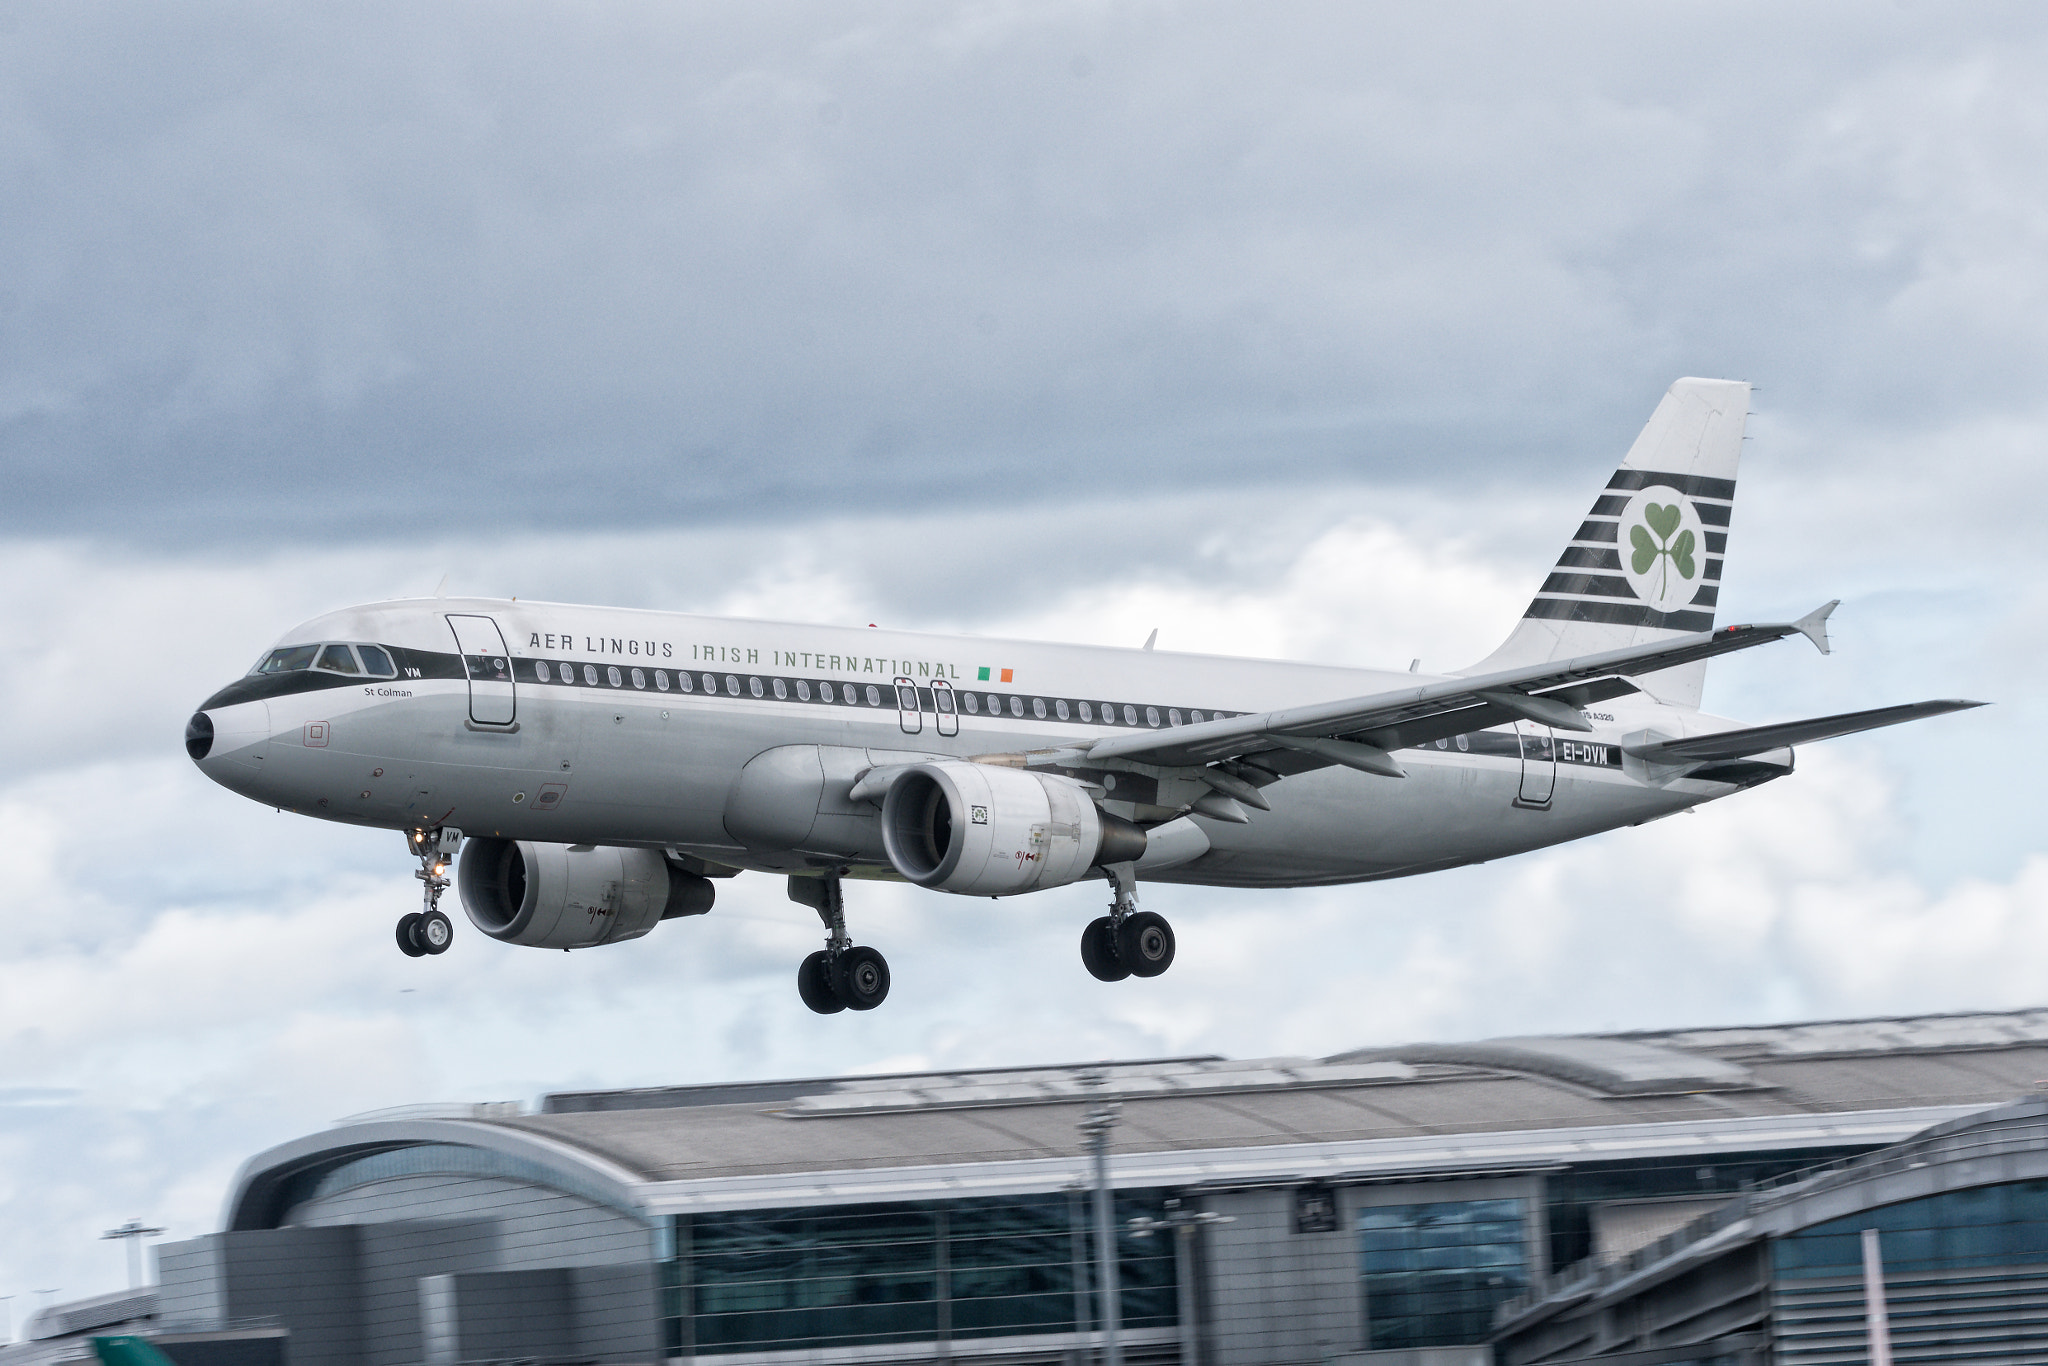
x=1668 y=544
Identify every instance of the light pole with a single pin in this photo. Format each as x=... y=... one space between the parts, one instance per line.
x=132 y=1233
x=1186 y=1224
x=1095 y=1127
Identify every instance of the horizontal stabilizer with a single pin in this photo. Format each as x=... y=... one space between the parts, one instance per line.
x=1735 y=744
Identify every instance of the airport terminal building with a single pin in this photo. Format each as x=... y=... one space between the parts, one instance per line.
x=1639 y=1199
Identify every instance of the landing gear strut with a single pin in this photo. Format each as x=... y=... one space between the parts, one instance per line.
x=427 y=930
x=1127 y=942
x=843 y=975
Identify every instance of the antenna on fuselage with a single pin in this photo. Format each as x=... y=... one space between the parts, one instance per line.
x=1152 y=639
x=441 y=588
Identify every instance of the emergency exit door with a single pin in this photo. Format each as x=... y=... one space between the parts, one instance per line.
x=492 y=701
x=1539 y=764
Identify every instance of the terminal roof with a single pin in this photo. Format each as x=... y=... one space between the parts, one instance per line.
x=1700 y=1077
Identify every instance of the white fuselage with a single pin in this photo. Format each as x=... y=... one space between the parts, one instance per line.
x=601 y=752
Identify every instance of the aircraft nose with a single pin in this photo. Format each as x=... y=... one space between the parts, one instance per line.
x=199 y=736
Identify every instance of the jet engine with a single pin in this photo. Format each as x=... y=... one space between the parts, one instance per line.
x=558 y=896
x=982 y=830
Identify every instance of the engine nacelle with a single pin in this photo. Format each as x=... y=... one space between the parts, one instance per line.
x=981 y=830
x=552 y=896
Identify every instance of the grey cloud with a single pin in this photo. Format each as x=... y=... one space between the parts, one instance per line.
x=295 y=271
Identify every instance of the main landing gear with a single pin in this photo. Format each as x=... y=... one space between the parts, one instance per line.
x=843 y=975
x=1127 y=942
x=427 y=930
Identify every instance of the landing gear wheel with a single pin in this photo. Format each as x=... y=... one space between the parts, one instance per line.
x=861 y=978
x=1098 y=951
x=814 y=984
x=434 y=932
x=1144 y=944
x=409 y=935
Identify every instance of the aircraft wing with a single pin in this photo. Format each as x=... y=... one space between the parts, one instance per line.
x=1359 y=732
x=1735 y=744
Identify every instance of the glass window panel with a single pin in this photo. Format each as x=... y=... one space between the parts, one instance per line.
x=377 y=661
x=732 y=685
x=661 y=679
x=338 y=659
x=803 y=690
x=1016 y=706
x=684 y=682
x=1087 y=712
x=541 y=670
x=973 y=703
x=639 y=679
x=590 y=674
x=874 y=696
x=1433 y=1273
x=1038 y=707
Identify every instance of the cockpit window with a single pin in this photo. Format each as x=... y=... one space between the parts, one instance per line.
x=288 y=659
x=338 y=659
x=376 y=663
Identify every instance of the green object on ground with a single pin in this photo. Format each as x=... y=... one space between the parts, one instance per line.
x=128 y=1351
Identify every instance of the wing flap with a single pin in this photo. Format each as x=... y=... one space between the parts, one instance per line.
x=1452 y=706
x=1737 y=744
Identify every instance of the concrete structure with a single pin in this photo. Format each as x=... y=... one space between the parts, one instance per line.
x=1384 y=1202
x=1776 y=1274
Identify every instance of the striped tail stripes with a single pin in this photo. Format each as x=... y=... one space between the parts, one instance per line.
x=1646 y=562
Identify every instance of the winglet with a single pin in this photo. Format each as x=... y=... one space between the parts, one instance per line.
x=1814 y=625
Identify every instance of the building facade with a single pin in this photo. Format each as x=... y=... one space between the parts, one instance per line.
x=1387 y=1205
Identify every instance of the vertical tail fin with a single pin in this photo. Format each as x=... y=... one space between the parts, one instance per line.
x=1646 y=563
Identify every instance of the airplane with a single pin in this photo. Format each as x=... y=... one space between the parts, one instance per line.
x=597 y=769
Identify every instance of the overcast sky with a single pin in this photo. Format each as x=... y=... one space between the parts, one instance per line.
x=1288 y=329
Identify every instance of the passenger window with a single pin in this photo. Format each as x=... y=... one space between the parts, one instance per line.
x=338 y=659
x=590 y=674
x=661 y=679
x=1173 y=716
x=995 y=705
x=639 y=679
x=685 y=682
x=1463 y=744
x=289 y=659
x=874 y=696
x=1016 y=706
x=710 y=685
x=1038 y=707
x=1151 y=716
x=1130 y=715
x=803 y=690
x=781 y=691
x=732 y=685
x=1196 y=716
x=942 y=701
x=1061 y=707
x=973 y=703
x=376 y=662
x=754 y=687
x=846 y=691
x=540 y=670
x=1087 y=712
x=906 y=698
x=611 y=674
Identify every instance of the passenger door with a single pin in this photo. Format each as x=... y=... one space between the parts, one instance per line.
x=1539 y=764
x=492 y=701
x=909 y=709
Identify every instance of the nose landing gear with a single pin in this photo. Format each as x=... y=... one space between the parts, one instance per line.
x=843 y=975
x=427 y=930
x=1127 y=942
